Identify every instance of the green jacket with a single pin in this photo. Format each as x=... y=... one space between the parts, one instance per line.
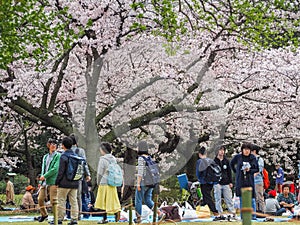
x=52 y=172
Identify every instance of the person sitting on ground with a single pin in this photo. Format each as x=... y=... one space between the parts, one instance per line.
x=88 y=199
x=272 y=205
x=286 y=200
x=27 y=200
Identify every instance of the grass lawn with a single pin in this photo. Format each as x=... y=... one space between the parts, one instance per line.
x=197 y=223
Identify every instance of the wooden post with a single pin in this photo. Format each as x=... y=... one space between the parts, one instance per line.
x=55 y=216
x=155 y=208
x=130 y=212
x=246 y=205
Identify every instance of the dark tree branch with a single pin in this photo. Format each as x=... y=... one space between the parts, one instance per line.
x=58 y=82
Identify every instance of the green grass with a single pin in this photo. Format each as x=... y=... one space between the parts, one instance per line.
x=197 y=223
x=18 y=199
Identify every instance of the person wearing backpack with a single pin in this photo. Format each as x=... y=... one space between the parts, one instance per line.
x=82 y=188
x=206 y=186
x=67 y=187
x=145 y=184
x=258 y=180
x=245 y=165
x=107 y=198
x=50 y=165
x=224 y=187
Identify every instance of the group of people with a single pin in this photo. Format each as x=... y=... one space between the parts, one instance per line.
x=71 y=197
x=248 y=169
x=75 y=196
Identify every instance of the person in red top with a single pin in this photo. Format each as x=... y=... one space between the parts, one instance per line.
x=290 y=180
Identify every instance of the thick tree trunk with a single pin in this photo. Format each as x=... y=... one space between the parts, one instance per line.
x=31 y=174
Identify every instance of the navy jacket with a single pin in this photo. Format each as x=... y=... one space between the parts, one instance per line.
x=244 y=179
x=61 y=179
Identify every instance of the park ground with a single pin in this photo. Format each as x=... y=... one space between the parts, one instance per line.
x=181 y=223
x=18 y=200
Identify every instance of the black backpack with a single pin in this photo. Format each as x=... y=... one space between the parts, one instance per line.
x=152 y=176
x=75 y=168
x=213 y=173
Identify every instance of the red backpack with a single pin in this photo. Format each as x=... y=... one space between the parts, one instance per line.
x=266 y=179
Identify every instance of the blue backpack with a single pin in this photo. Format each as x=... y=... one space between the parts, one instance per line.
x=152 y=176
x=114 y=174
x=75 y=168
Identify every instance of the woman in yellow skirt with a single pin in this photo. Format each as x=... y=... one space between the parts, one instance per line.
x=107 y=197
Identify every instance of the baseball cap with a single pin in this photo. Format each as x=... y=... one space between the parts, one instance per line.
x=29 y=188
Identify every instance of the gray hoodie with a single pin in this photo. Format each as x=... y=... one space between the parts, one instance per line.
x=102 y=172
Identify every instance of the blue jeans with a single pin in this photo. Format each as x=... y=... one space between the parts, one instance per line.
x=253 y=203
x=144 y=195
x=227 y=194
x=85 y=207
x=280 y=211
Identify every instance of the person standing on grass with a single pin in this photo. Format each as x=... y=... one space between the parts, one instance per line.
x=47 y=179
x=245 y=165
x=66 y=188
x=279 y=177
x=143 y=192
x=258 y=180
x=82 y=188
x=206 y=188
x=10 y=192
x=107 y=199
x=224 y=187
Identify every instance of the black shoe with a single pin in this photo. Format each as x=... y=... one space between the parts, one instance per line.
x=42 y=218
x=102 y=222
x=73 y=222
x=137 y=220
x=219 y=218
x=36 y=218
x=59 y=222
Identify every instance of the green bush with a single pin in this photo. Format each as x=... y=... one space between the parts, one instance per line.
x=172 y=194
x=20 y=182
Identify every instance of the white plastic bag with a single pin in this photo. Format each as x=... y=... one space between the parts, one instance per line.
x=147 y=213
x=188 y=212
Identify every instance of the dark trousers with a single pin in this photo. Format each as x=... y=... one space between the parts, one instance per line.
x=207 y=198
x=85 y=207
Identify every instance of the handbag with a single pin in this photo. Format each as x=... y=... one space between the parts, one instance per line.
x=171 y=212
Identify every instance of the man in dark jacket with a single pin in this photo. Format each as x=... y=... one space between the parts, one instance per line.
x=225 y=185
x=66 y=188
x=245 y=165
x=205 y=187
x=82 y=188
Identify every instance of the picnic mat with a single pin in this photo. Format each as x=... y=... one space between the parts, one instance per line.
x=22 y=218
x=111 y=218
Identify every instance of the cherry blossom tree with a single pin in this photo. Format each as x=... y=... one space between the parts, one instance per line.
x=173 y=73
